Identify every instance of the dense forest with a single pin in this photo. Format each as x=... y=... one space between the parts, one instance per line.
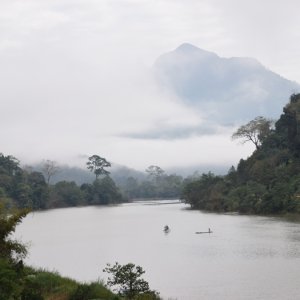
x=156 y=185
x=265 y=183
x=22 y=187
x=33 y=188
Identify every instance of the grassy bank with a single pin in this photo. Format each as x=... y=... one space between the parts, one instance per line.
x=41 y=284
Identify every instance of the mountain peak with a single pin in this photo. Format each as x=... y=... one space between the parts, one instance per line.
x=226 y=89
x=188 y=49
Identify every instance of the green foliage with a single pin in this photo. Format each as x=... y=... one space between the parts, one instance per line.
x=256 y=131
x=106 y=191
x=31 y=290
x=203 y=192
x=103 y=191
x=268 y=181
x=97 y=165
x=39 y=284
x=66 y=194
x=39 y=193
x=10 y=281
x=155 y=171
x=157 y=185
x=10 y=249
x=95 y=290
x=9 y=165
x=23 y=188
x=11 y=254
x=128 y=283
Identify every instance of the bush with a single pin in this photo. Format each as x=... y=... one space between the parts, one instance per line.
x=94 y=290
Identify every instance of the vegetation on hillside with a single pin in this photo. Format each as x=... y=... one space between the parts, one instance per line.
x=157 y=185
x=23 y=187
x=268 y=181
x=26 y=187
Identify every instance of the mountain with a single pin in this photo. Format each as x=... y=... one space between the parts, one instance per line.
x=225 y=90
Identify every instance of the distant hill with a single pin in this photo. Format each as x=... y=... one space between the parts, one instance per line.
x=225 y=90
x=120 y=173
x=80 y=175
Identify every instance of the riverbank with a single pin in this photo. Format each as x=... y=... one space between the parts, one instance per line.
x=40 y=284
x=288 y=216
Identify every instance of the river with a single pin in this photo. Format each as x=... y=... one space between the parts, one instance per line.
x=246 y=257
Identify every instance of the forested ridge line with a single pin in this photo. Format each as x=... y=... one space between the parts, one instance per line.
x=268 y=182
x=27 y=187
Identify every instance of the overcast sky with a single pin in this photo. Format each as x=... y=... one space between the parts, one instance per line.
x=76 y=75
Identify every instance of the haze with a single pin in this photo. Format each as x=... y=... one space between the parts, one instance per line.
x=76 y=76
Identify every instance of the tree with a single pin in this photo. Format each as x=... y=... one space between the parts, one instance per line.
x=198 y=193
x=132 y=187
x=97 y=165
x=12 y=253
x=255 y=131
x=50 y=168
x=39 y=192
x=127 y=279
x=105 y=191
x=65 y=193
x=9 y=165
x=10 y=249
x=155 y=171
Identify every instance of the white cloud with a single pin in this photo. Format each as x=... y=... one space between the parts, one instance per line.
x=74 y=73
x=194 y=151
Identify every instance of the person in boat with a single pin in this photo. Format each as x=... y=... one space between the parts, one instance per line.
x=166 y=228
x=209 y=231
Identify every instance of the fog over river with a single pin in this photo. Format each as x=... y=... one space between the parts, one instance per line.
x=246 y=257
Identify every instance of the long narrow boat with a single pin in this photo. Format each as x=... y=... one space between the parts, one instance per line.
x=199 y=232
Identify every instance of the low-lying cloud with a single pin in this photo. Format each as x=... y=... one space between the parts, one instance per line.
x=76 y=80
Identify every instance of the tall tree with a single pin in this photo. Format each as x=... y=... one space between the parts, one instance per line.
x=254 y=131
x=97 y=165
x=155 y=171
x=39 y=193
x=50 y=168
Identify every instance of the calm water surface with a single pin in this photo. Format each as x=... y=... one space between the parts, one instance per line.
x=246 y=257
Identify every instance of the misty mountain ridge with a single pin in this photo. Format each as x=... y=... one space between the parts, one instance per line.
x=225 y=90
x=119 y=173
